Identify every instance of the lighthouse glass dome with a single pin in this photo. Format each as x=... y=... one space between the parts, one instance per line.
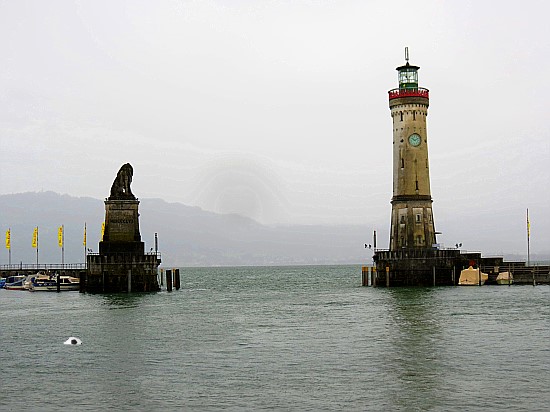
x=408 y=76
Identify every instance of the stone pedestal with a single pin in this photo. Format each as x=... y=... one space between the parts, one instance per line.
x=121 y=233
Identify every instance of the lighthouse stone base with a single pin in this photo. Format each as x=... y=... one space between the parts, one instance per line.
x=417 y=267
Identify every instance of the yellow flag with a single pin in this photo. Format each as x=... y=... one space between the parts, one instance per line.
x=8 y=239
x=102 y=230
x=35 y=237
x=528 y=224
x=60 y=236
x=84 y=240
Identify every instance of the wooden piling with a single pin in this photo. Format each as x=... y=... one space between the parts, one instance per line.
x=129 y=281
x=177 y=279
x=58 y=282
x=364 y=276
x=169 y=280
x=387 y=276
x=433 y=270
x=82 y=282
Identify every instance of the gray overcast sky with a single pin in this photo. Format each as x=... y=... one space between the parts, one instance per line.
x=278 y=110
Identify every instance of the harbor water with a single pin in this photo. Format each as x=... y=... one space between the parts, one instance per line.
x=278 y=338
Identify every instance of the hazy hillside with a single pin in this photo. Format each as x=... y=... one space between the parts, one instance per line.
x=188 y=236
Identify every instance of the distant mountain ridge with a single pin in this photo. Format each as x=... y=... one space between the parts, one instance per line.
x=188 y=236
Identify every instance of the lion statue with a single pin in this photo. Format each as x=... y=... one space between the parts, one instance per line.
x=121 y=185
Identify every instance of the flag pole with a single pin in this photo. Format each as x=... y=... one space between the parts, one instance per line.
x=8 y=245
x=61 y=241
x=36 y=247
x=528 y=235
x=85 y=250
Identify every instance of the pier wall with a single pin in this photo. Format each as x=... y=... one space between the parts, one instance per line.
x=123 y=272
x=442 y=267
x=417 y=267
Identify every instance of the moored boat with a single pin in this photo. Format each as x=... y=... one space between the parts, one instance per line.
x=505 y=278
x=28 y=281
x=70 y=283
x=47 y=283
x=472 y=277
x=42 y=281
x=15 y=282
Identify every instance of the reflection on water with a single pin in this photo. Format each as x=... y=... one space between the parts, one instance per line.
x=416 y=333
x=121 y=300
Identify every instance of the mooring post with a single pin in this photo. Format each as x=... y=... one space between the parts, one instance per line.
x=129 y=281
x=169 y=280
x=387 y=276
x=454 y=284
x=58 y=282
x=373 y=283
x=177 y=279
x=433 y=270
x=161 y=276
x=82 y=282
x=364 y=274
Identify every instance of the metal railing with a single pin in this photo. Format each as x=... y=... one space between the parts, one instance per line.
x=43 y=266
x=416 y=92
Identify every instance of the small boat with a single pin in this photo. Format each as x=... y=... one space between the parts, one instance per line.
x=69 y=283
x=28 y=281
x=472 y=277
x=48 y=283
x=15 y=282
x=42 y=281
x=505 y=278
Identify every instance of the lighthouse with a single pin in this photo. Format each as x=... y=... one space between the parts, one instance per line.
x=413 y=258
x=412 y=223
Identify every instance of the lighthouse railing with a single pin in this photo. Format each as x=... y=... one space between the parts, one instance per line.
x=414 y=92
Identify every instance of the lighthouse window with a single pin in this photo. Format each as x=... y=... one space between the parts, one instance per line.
x=401 y=114
x=414 y=115
x=402 y=163
x=416 y=185
x=418 y=218
x=419 y=240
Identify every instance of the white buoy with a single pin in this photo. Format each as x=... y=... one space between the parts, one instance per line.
x=73 y=341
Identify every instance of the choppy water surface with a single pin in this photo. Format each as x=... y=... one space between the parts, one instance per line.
x=284 y=338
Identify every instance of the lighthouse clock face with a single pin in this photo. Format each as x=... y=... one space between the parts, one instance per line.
x=414 y=140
